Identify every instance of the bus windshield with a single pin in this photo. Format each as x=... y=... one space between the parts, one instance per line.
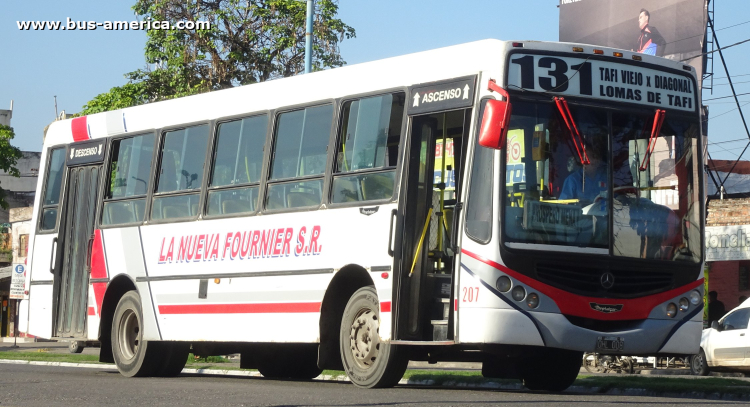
x=636 y=195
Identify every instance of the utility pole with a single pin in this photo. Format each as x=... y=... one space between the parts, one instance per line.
x=309 y=35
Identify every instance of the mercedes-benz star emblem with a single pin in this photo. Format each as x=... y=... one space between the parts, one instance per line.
x=607 y=280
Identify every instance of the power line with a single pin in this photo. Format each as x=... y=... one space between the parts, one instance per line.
x=729 y=111
x=724 y=97
x=716 y=50
x=728 y=141
x=701 y=34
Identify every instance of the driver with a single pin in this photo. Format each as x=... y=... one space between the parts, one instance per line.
x=585 y=182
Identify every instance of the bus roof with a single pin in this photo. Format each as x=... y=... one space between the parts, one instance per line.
x=401 y=71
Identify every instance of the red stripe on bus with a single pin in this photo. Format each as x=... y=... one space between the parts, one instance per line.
x=578 y=305
x=80 y=129
x=92 y=311
x=256 y=308
x=385 y=306
x=98 y=266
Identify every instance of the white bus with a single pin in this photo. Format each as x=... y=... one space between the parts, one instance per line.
x=513 y=203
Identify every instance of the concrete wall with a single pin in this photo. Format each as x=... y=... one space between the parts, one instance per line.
x=5 y=116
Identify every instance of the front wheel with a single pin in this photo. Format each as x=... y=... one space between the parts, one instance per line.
x=369 y=361
x=698 y=364
x=76 y=346
x=550 y=369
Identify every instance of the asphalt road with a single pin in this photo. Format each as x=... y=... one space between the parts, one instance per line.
x=28 y=385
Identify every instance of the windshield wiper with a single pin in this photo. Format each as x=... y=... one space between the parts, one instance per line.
x=562 y=107
x=655 y=130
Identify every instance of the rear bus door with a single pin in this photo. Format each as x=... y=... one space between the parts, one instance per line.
x=75 y=237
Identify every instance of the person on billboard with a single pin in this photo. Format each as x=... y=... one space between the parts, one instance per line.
x=650 y=40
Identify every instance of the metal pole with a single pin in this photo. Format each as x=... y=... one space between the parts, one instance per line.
x=308 y=35
x=15 y=324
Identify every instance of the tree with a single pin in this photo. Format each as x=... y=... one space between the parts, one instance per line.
x=248 y=41
x=9 y=155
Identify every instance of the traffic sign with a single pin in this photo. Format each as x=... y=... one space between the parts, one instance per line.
x=18 y=282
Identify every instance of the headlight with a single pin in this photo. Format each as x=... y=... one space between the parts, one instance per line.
x=532 y=300
x=684 y=304
x=671 y=310
x=695 y=297
x=503 y=284
x=518 y=293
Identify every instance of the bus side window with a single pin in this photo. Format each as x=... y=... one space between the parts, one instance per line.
x=180 y=173
x=130 y=169
x=53 y=185
x=238 y=161
x=368 y=145
x=479 y=200
x=300 y=151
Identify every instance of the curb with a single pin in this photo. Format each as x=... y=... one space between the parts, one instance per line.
x=425 y=383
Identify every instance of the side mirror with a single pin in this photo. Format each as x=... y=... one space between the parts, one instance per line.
x=715 y=325
x=495 y=124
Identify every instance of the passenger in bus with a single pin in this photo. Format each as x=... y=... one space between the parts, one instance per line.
x=585 y=182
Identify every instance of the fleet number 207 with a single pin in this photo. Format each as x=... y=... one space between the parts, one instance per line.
x=471 y=294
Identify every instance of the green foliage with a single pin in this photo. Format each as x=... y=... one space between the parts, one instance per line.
x=130 y=94
x=248 y=41
x=9 y=155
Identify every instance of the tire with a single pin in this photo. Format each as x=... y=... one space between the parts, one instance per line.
x=698 y=364
x=76 y=346
x=627 y=365
x=289 y=361
x=173 y=357
x=368 y=361
x=550 y=369
x=133 y=356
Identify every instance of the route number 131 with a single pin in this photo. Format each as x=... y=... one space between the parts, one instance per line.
x=558 y=75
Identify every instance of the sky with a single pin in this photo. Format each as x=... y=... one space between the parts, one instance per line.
x=77 y=65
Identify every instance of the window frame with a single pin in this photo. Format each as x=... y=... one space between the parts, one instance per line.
x=736 y=312
x=405 y=131
x=265 y=164
x=266 y=182
x=155 y=172
x=468 y=169
x=63 y=187
x=107 y=170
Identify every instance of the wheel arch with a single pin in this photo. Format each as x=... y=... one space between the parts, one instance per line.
x=347 y=280
x=116 y=288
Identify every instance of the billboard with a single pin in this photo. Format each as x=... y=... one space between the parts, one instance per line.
x=673 y=29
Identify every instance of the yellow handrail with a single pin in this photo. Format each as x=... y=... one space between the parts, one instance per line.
x=421 y=240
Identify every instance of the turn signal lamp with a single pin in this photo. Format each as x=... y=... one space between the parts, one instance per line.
x=532 y=300
x=617 y=54
x=598 y=52
x=671 y=310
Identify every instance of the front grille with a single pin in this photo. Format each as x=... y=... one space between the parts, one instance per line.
x=587 y=280
x=604 y=326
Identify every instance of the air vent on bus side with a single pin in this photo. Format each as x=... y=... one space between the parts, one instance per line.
x=588 y=280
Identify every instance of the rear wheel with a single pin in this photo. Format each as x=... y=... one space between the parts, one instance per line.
x=550 y=369
x=698 y=364
x=172 y=358
x=133 y=356
x=292 y=361
x=368 y=361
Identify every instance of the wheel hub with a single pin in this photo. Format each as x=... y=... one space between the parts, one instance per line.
x=129 y=338
x=364 y=338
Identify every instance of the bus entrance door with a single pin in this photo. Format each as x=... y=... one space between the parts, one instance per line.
x=75 y=239
x=430 y=194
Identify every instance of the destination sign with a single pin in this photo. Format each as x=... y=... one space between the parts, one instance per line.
x=444 y=95
x=87 y=152
x=602 y=80
x=549 y=217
